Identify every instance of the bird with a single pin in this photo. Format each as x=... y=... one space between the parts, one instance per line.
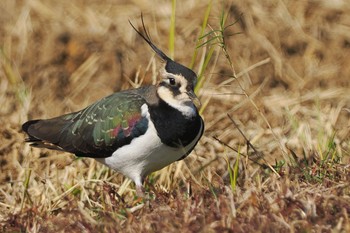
x=134 y=132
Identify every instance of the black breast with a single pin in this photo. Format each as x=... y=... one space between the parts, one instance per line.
x=173 y=128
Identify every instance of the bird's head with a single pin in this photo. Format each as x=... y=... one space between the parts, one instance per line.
x=176 y=87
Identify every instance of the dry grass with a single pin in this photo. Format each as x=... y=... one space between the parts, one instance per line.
x=290 y=98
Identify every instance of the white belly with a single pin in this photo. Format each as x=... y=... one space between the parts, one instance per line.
x=145 y=154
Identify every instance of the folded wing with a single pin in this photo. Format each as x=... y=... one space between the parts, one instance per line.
x=96 y=131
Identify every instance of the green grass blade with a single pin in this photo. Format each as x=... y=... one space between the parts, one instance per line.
x=230 y=172
x=204 y=25
x=172 y=30
x=25 y=191
x=200 y=80
x=209 y=33
x=208 y=41
x=235 y=170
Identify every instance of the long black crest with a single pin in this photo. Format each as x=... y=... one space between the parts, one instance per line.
x=147 y=38
x=171 y=66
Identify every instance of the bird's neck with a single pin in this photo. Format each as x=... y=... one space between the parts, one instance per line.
x=172 y=126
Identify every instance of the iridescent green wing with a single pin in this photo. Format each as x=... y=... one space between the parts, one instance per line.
x=107 y=125
x=96 y=131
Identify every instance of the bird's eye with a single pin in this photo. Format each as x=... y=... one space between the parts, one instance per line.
x=172 y=81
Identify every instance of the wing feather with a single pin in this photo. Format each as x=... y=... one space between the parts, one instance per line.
x=96 y=131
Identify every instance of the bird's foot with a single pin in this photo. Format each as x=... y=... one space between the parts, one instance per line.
x=140 y=192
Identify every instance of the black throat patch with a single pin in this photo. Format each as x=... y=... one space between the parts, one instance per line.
x=173 y=128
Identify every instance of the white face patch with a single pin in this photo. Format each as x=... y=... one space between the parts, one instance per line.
x=181 y=101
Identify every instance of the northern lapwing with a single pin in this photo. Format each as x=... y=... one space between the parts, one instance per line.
x=136 y=131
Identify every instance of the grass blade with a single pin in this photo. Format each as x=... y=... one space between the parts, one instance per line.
x=204 y=25
x=172 y=30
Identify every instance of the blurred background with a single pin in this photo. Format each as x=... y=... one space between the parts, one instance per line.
x=279 y=69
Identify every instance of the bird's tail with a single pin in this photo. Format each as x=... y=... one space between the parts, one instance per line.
x=40 y=135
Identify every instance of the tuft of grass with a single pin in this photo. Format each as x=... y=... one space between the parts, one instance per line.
x=210 y=42
x=319 y=165
x=233 y=170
